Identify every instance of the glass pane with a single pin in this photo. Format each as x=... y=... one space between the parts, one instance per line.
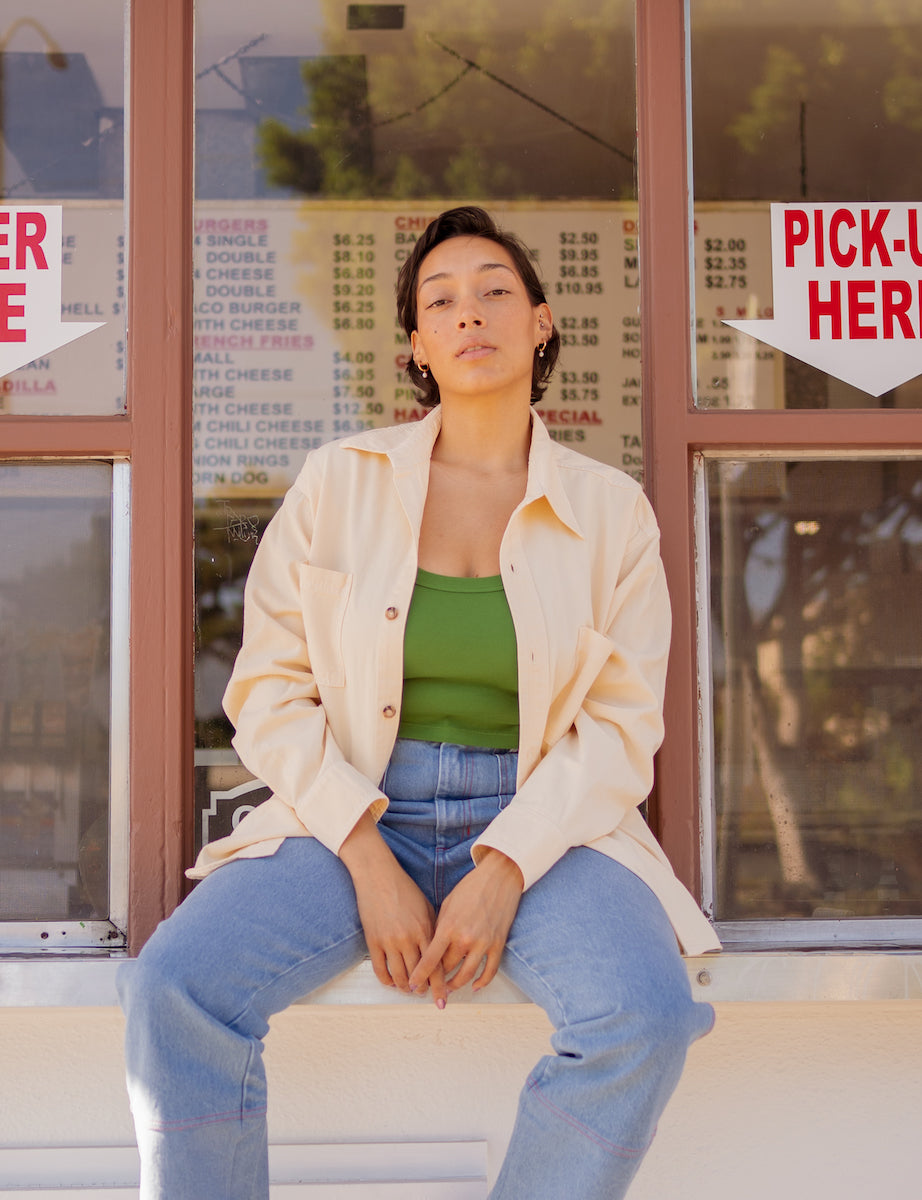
x=816 y=574
x=55 y=552
x=791 y=103
x=320 y=158
x=62 y=266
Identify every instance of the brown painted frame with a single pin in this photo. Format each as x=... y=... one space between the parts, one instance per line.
x=155 y=436
x=160 y=406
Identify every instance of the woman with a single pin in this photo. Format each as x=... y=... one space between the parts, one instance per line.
x=451 y=678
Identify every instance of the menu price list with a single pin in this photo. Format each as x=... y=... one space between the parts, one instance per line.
x=86 y=377
x=733 y=281
x=296 y=339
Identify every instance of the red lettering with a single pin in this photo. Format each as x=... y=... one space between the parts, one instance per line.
x=896 y=297
x=30 y=239
x=842 y=258
x=796 y=232
x=4 y=239
x=819 y=247
x=872 y=237
x=11 y=311
x=915 y=249
x=858 y=308
x=831 y=308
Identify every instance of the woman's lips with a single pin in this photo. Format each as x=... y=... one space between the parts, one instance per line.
x=475 y=350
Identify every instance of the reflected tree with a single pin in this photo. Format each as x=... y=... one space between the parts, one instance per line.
x=501 y=103
x=819 y=689
x=808 y=100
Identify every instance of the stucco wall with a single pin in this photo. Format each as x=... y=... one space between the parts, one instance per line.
x=808 y=1101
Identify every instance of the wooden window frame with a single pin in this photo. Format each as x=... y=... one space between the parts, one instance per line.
x=155 y=435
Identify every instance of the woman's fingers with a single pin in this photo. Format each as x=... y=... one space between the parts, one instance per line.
x=397 y=969
x=379 y=965
x=437 y=983
x=412 y=951
x=396 y=917
x=490 y=967
x=393 y=964
x=429 y=968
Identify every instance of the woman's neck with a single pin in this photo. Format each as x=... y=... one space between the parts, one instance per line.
x=477 y=478
x=484 y=437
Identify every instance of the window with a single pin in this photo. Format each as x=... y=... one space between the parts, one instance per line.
x=768 y=475
x=815 y=655
x=319 y=159
x=63 y=665
x=64 y=495
x=62 y=106
x=807 y=496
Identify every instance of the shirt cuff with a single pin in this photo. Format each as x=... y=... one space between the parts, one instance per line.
x=336 y=802
x=532 y=842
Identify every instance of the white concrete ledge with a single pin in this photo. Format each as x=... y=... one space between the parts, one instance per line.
x=443 y=1170
x=765 y=976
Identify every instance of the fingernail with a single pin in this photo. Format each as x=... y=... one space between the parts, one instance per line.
x=440 y=1003
x=413 y=987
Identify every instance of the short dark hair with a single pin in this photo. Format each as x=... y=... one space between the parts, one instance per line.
x=470 y=221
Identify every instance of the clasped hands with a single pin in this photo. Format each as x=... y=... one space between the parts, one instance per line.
x=413 y=948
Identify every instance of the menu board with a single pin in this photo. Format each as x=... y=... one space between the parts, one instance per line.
x=733 y=281
x=87 y=376
x=296 y=339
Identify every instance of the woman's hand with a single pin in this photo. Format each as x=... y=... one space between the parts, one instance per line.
x=397 y=919
x=472 y=927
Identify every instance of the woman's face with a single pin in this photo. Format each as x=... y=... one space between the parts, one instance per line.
x=476 y=325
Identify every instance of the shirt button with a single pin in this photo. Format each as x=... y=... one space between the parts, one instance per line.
x=389 y=711
x=391 y=613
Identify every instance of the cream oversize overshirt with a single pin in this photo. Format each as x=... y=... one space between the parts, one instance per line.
x=316 y=689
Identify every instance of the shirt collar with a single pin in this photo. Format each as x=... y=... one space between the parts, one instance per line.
x=544 y=478
x=410 y=445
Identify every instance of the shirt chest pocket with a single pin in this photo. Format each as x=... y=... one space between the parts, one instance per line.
x=324 y=597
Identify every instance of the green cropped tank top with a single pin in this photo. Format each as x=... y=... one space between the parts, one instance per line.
x=460 y=676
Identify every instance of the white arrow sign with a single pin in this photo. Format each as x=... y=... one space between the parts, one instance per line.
x=847 y=291
x=30 y=286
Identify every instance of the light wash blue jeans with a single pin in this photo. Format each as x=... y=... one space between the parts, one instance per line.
x=590 y=943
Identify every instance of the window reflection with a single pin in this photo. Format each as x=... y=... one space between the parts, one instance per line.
x=62 y=135
x=509 y=100
x=327 y=136
x=817 y=659
x=55 y=551
x=227 y=533
x=814 y=102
